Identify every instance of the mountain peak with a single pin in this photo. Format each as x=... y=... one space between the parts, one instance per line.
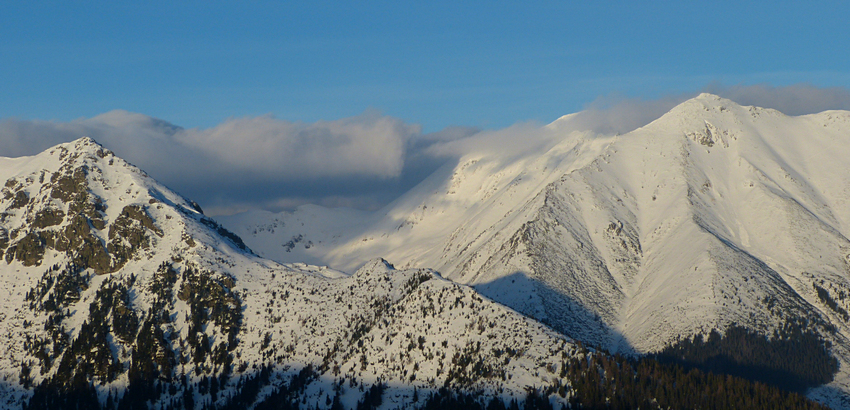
x=707 y=96
x=704 y=112
x=707 y=102
x=78 y=200
x=84 y=144
x=84 y=147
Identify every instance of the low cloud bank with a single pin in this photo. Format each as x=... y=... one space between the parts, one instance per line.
x=363 y=161
x=228 y=165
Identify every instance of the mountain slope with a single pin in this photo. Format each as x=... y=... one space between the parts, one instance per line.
x=115 y=289
x=713 y=215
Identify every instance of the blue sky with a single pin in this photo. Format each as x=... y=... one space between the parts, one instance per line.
x=337 y=103
x=483 y=64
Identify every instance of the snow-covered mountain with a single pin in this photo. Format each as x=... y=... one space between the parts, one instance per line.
x=115 y=289
x=714 y=214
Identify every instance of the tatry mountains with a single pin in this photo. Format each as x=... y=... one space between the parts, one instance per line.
x=595 y=271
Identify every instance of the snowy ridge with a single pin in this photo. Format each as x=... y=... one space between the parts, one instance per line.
x=407 y=329
x=711 y=215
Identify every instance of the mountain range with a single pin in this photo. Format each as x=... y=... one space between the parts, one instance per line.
x=712 y=216
x=506 y=278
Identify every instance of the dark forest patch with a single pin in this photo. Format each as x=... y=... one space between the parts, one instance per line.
x=793 y=359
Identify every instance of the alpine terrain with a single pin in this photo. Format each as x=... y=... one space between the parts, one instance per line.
x=715 y=237
x=117 y=292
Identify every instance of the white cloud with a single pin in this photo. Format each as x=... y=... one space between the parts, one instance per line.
x=228 y=164
x=363 y=161
x=507 y=142
x=367 y=145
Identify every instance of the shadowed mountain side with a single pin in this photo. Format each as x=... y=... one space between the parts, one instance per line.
x=794 y=358
x=552 y=307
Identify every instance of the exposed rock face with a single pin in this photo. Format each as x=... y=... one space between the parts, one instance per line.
x=67 y=213
x=131 y=232
x=64 y=214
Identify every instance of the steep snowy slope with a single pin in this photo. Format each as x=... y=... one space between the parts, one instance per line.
x=711 y=215
x=114 y=288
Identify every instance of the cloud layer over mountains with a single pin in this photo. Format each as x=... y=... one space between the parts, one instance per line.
x=239 y=155
x=363 y=161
